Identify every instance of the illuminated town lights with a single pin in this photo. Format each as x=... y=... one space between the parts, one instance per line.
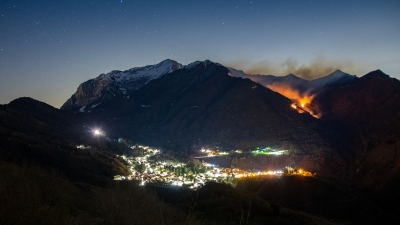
x=161 y=171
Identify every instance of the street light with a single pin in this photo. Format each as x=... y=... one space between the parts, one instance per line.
x=97 y=132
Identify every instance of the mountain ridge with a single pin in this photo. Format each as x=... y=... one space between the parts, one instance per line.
x=206 y=104
x=117 y=82
x=107 y=86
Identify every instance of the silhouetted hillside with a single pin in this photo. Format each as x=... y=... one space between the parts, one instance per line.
x=368 y=113
x=32 y=131
x=30 y=194
x=324 y=199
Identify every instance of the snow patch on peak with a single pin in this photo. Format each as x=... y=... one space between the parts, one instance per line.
x=118 y=82
x=137 y=77
x=82 y=109
x=123 y=90
x=150 y=72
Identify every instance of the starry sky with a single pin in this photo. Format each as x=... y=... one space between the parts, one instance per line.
x=49 y=47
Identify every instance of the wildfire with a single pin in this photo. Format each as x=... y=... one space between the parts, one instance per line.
x=294 y=106
x=301 y=101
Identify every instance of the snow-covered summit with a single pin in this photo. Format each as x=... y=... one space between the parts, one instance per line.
x=142 y=75
x=118 y=82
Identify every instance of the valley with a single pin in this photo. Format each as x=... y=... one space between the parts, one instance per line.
x=215 y=147
x=149 y=168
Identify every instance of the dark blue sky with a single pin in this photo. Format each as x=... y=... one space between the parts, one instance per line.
x=47 y=48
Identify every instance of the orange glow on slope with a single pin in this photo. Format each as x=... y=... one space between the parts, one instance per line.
x=301 y=102
x=298 y=109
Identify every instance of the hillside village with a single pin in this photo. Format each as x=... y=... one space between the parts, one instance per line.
x=146 y=168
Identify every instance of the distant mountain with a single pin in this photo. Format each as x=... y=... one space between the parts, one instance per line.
x=336 y=78
x=265 y=80
x=107 y=86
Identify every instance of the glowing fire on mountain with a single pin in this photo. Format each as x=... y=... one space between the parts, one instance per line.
x=301 y=101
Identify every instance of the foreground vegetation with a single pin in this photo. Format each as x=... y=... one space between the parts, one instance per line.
x=33 y=195
x=30 y=194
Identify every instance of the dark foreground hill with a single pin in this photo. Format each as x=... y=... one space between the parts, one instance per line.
x=34 y=131
x=30 y=194
x=257 y=197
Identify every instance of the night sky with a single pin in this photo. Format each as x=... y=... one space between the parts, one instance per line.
x=47 y=48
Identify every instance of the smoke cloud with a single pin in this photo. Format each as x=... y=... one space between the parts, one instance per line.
x=319 y=67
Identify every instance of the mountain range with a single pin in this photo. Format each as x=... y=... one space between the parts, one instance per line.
x=342 y=127
x=205 y=104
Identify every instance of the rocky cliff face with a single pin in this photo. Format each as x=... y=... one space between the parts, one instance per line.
x=117 y=83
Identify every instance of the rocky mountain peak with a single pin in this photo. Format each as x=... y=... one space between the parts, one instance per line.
x=117 y=82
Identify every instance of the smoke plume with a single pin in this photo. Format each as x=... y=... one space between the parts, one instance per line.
x=319 y=67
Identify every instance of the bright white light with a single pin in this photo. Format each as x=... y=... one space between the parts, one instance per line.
x=96 y=132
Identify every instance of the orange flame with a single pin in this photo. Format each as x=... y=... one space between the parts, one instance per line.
x=299 y=99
